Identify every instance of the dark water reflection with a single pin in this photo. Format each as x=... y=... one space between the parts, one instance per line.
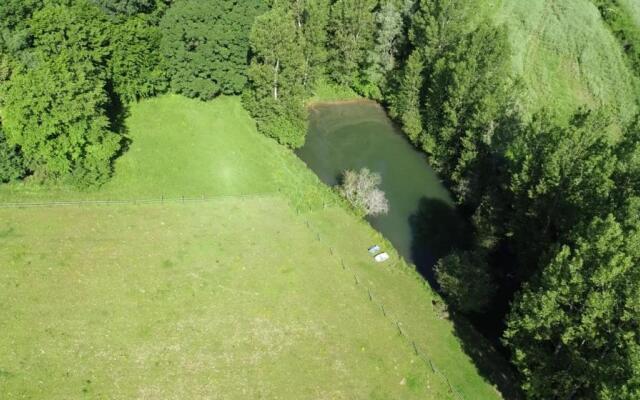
x=422 y=222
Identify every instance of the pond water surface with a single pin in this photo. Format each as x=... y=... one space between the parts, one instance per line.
x=422 y=222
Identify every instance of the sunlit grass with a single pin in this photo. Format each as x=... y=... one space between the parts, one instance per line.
x=241 y=296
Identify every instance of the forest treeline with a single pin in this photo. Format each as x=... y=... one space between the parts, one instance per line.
x=555 y=204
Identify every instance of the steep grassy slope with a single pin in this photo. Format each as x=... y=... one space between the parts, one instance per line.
x=633 y=8
x=567 y=57
x=264 y=289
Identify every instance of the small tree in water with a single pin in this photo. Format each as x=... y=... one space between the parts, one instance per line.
x=360 y=188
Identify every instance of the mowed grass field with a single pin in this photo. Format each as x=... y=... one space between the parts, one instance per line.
x=567 y=57
x=264 y=290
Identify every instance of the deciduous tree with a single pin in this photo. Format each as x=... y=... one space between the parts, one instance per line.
x=276 y=76
x=465 y=279
x=574 y=331
x=205 y=45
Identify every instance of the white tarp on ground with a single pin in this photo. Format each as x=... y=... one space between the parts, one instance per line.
x=381 y=257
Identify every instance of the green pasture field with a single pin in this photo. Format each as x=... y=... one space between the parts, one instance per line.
x=263 y=290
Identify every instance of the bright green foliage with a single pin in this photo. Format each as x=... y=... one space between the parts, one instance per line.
x=134 y=65
x=351 y=37
x=464 y=278
x=559 y=176
x=56 y=110
x=205 y=45
x=81 y=30
x=575 y=333
x=56 y=113
x=276 y=77
x=11 y=162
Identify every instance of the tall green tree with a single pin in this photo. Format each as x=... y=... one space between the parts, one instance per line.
x=56 y=106
x=57 y=114
x=559 y=176
x=205 y=45
x=627 y=174
x=351 y=37
x=465 y=279
x=276 y=76
x=315 y=32
x=468 y=93
x=382 y=57
x=406 y=99
x=135 y=61
x=574 y=332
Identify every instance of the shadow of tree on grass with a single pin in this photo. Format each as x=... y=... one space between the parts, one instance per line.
x=437 y=229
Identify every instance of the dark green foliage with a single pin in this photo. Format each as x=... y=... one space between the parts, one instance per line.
x=14 y=16
x=205 y=45
x=127 y=7
x=627 y=176
x=11 y=162
x=276 y=77
x=454 y=95
x=559 y=176
x=574 y=331
x=134 y=65
x=465 y=279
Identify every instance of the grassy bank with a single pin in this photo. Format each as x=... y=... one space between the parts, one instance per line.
x=567 y=57
x=264 y=290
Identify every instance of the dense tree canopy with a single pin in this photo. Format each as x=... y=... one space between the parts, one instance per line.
x=134 y=65
x=57 y=114
x=128 y=7
x=205 y=45
x=276 y=75
x=575 y=330
x=64 y=83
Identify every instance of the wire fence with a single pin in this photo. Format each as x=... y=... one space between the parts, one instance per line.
x=203 y=198
x=159 y=200
x=421 y=354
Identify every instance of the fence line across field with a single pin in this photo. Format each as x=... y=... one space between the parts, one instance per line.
x=159 y=200
x=398 y=324
x=203 y=198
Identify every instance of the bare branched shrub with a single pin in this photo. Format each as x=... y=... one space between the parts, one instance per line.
x=360 y=188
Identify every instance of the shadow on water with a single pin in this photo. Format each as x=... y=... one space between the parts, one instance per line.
x=423 y=223
x=436 y=229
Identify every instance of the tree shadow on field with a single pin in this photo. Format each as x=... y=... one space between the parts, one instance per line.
x=118 y=112
x=491 y=363
x=437 y=229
